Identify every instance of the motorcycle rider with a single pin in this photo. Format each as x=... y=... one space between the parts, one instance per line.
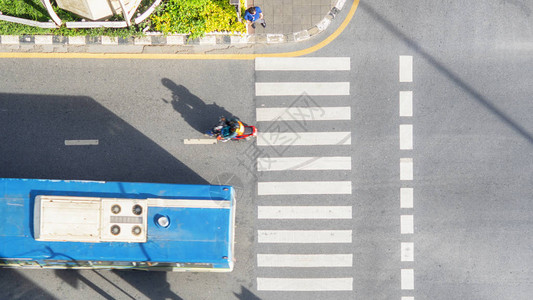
x=230 y=128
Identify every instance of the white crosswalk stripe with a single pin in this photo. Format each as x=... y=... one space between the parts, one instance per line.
x=303 y=114
x=304 y=163
x=295 y=126
x=304 y=236
x=302 y=64
x=300 y=88
x=304 y=188
x=304 y=284
x=304 y=260
x=303 y=138
x=304 y=212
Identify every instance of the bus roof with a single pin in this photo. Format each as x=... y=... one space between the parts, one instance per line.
x=200 y=227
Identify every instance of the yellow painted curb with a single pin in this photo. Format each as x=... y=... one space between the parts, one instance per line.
x=312 y=49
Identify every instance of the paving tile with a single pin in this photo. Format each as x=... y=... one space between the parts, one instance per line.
x=306 y=19
x=304 y=9
x=288 y=28
x=318 y=10
x=287 y=20
x=276 y=28
x=297 y=19
x=287 y=10
x=316 y=18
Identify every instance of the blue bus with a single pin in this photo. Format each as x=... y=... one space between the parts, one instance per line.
x=70 y=224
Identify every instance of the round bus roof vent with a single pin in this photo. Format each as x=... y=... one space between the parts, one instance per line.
x=136 y=230
x=115 y=209
x=137 y=209
x=163 y=221
x=115 y=230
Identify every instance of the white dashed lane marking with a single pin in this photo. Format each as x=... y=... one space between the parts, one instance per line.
x=406 y=68
x=406 y=224
x=406 y=104
x=200 y=141
x=406 y=197
x=81 y=142
x=406 y=137
x=406 y=168
x=408 y=279
x=407 y=251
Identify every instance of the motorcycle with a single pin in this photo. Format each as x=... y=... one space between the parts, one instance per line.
x=223 y=128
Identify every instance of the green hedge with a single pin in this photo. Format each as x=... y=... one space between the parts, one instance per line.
x=194 y=17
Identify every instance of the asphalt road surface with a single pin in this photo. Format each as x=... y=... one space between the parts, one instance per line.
x=394 y=163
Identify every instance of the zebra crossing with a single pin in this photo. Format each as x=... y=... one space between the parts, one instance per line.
x=294 y=227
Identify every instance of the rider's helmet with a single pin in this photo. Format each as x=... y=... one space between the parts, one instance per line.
x=237 y=126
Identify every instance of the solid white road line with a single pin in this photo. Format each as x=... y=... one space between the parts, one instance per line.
x=304 y=260
x=406 y=104
x=407 y=251
x=408 y=298
x=304 y=284
x=199 y=141
x=304 y=236
x=406 y=224
x=302 y=64
x=304 y=188
x=304 y=212
x=406 y=137
x=81 y=142
x=406 y=197
x=408 y=279
x=300 y=88
x=303 y=114
x=304 y=138
x=304 y=163
x=406 y=168
x=406 y=68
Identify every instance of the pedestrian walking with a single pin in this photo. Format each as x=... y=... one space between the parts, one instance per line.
x=254 y=15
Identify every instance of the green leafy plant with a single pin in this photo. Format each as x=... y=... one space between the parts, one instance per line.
x=196 y=17
x=193 y=17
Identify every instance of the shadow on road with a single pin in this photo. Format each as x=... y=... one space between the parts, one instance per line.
x=194 y=111
x=15 y=285
x=447 y=72
x=34 y=129
x=246 y=294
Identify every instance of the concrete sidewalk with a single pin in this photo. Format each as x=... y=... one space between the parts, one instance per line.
x=287 y=21
x=290 y=16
